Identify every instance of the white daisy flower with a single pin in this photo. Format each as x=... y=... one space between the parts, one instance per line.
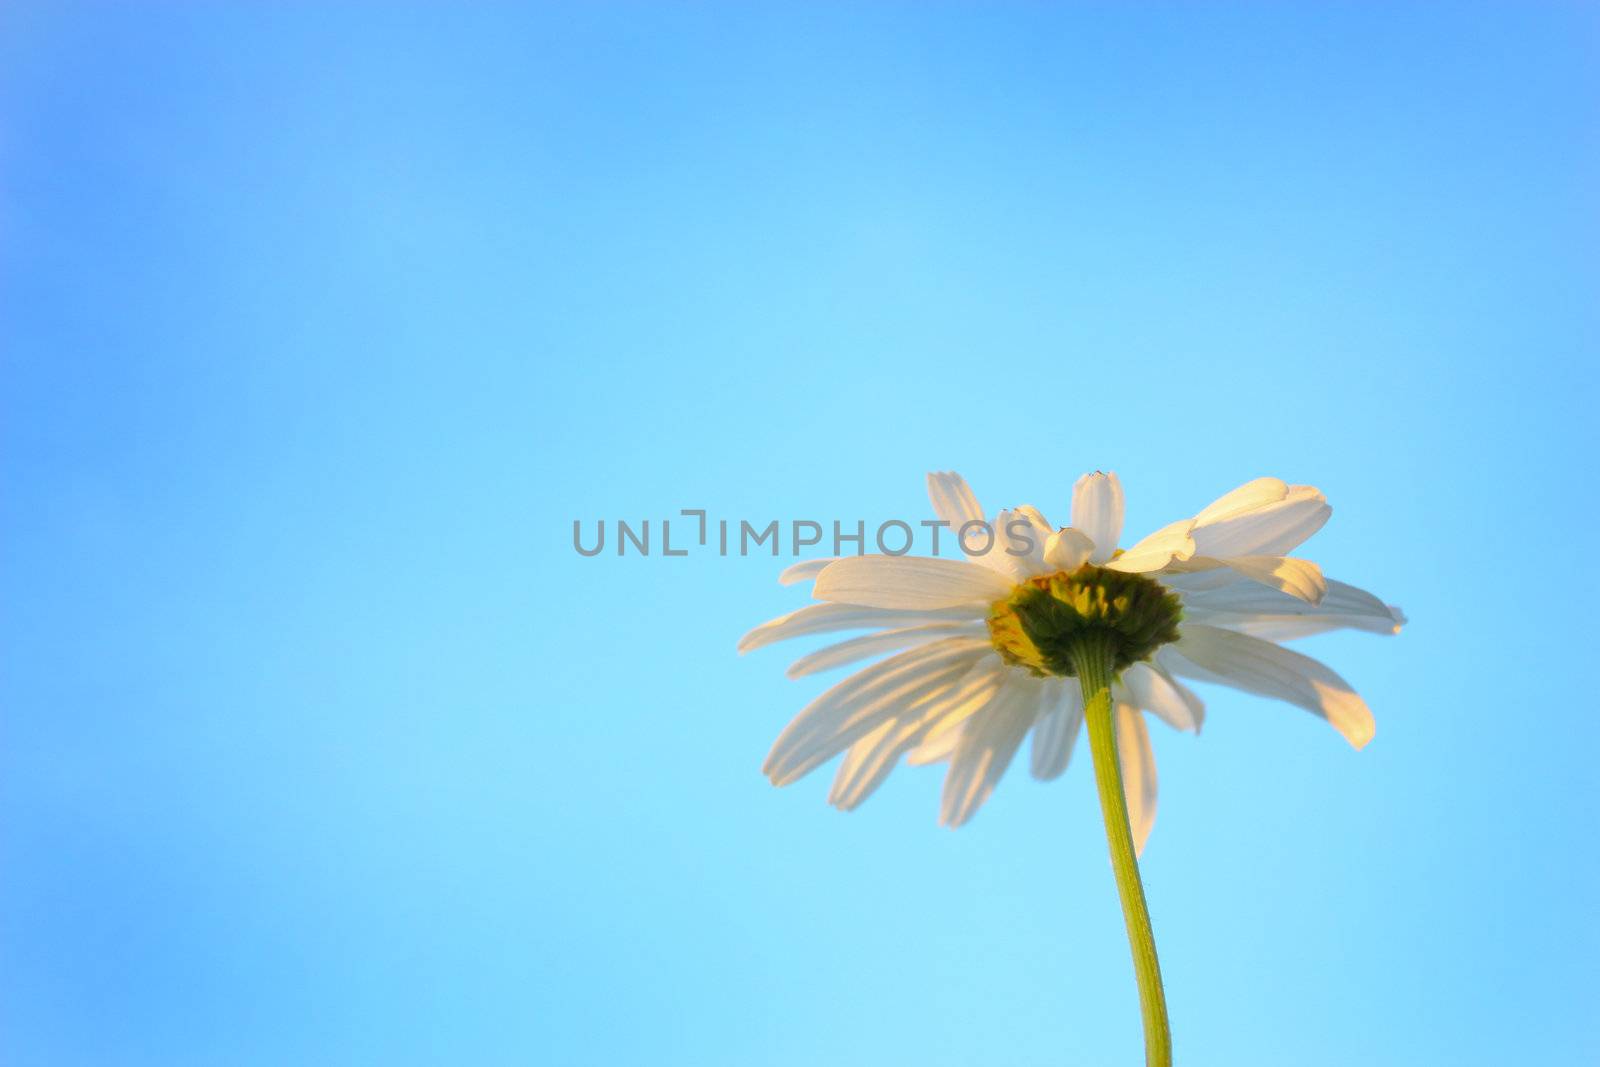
x=986 y=650
x=980 y=645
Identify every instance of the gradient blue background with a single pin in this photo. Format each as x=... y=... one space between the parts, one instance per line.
x=321 y=745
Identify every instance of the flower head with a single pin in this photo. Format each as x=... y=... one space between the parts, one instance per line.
x=981 y=650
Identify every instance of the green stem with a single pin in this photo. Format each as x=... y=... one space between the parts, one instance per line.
x=1094 y=661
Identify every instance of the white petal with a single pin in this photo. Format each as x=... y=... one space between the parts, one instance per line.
x=1040 y=530
x=915 y=583
x=867 y=645
x=1255 y=609
x=1034 y=516
x=1257 y=526
x=935 y=748
x=1056 y=730
x=1004 y=554
x=1211 y=654
x=803 y=571
x=1150 y=687
x=857 y=705
x=1290 y=628
x=952 y=499
x=988 y=741
x=868 y=762
x=1197 y=575
x=1138 y=773
x=1157 y=550
x=1067 y=549
x=1249 y=496
x=1237 y=594
x=1097 y=511
x=831 y=618
x=1298 y=577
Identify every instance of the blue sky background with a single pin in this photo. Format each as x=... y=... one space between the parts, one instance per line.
x=319 y=744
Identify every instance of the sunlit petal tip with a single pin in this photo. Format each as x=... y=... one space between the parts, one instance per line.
x=780 y=778
x=1360 y=738
x=1348 y=714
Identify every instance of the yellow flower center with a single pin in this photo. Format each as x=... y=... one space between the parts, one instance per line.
x=1045 y=619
